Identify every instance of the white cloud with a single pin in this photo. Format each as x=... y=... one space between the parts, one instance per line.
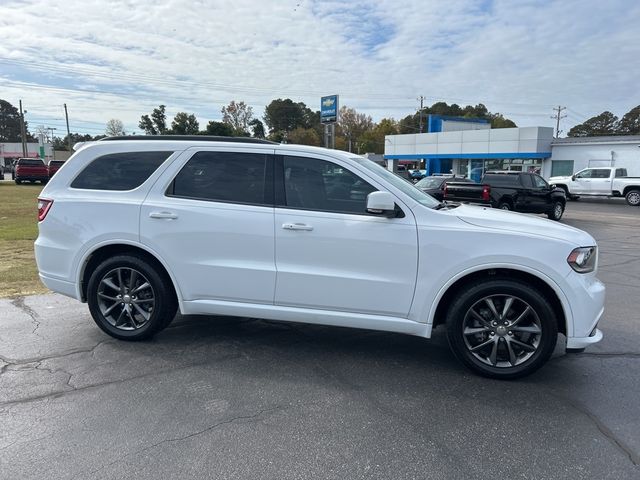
x=519 y=58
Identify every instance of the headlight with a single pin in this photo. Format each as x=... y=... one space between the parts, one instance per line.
x=583 y=259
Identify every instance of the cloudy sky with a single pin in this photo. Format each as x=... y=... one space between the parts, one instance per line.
x=121 y=58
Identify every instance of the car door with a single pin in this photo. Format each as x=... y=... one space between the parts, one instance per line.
x=330 y=253
x=581 y=183
x=210 y=217
x=540 y=194
x=601 y=181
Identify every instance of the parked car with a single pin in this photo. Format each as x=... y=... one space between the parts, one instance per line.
x=518 y=191
x=54 y=166
x=31 y=170
x=435 y=185
x=417 y=174
x=601 y=181
x=144 y=226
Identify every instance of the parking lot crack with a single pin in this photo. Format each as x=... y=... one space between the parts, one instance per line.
x=633 y=457
x=26 y=361
x=251 y=417
x=35 y=318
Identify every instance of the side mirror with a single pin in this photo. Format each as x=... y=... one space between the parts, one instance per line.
x=381 y=203
x=573 y=177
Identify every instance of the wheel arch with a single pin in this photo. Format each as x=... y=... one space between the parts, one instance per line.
x=629 y=188
x=546 y=286
x=94 y=257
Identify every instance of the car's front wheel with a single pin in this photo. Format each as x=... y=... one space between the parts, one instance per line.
x=556 y=211
x=502 y=328
x=129 y=298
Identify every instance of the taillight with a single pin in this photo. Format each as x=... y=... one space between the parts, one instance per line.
x=44 y=205
x=486 y=191
x=444 y=192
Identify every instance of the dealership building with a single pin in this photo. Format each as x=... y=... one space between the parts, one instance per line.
x=470 y=147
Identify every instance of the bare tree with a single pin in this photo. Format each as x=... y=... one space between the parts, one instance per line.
x=115 y=128
x=238 y=115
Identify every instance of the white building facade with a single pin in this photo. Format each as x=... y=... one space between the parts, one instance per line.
x=570 y=155
x=530 y=149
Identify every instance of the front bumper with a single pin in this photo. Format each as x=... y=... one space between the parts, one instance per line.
x=587 y=297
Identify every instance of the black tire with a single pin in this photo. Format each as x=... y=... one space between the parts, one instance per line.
x=556 y=211
x=633 y=198
x=18 y=181
x=123 y=306
x=505 y=206
x=537 y=329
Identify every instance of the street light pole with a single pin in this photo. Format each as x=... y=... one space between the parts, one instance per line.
x=53 y=150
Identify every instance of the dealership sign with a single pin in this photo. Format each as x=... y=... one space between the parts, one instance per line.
x=329 y=109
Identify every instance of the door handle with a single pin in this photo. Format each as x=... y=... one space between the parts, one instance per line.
x=297 y=226
x=166 y=215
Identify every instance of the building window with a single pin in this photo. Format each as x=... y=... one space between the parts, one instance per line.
x=561 y=168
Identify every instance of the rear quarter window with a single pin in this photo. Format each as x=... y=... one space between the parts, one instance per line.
x=119 y=171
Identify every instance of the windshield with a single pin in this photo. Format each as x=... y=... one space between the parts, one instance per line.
x=430 y=182
x=400 y=183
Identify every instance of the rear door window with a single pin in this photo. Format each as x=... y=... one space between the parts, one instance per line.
x=119 y=171
x=231 y=177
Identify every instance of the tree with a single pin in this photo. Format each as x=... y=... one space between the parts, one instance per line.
x=353 y=125
x=498 y=121
x=257 y=128
x=115 y=128
x=283 y=116
x=219 y=129
x=185 y=124
x=238 y=115
x=9 y=123
x=630 y=122
x=63 y=143
x=373 y=141
x=604 y=124
x=157 y=124
x=304 y=136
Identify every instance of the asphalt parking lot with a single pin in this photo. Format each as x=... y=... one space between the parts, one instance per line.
x=215 y=397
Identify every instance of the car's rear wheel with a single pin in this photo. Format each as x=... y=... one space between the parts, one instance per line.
x=557 y=211
x=502 y=328
x=504 y=206
x=633 y=197
x=18 y=181
x=129 y=298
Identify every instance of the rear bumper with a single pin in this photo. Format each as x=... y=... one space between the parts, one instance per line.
x=59 y=286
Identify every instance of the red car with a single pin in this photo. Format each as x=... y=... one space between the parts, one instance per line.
x=54 y=166
x=31 y=170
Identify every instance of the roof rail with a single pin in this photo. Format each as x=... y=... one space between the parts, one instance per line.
x=191 y=138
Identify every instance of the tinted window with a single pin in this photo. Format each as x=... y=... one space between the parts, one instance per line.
x=527 y=181
x=30 y=163
x=501 y=179
x=315 y=184
x=600 y=173
x=584 y=174
x=223 y=177
x=621 y=172
x=430 y=182
x=539 y=182
x=119 y=171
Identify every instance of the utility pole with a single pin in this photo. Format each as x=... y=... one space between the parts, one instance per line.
x=558 y=117
x=66 y=116
x=23 y=133
x=421 y=98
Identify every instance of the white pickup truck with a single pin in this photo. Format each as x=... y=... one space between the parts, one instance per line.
x=601 y=181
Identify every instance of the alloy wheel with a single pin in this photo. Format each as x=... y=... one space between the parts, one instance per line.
x=502 y=331
x=126 y=298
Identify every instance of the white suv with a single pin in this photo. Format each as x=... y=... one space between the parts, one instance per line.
x=141 y=227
